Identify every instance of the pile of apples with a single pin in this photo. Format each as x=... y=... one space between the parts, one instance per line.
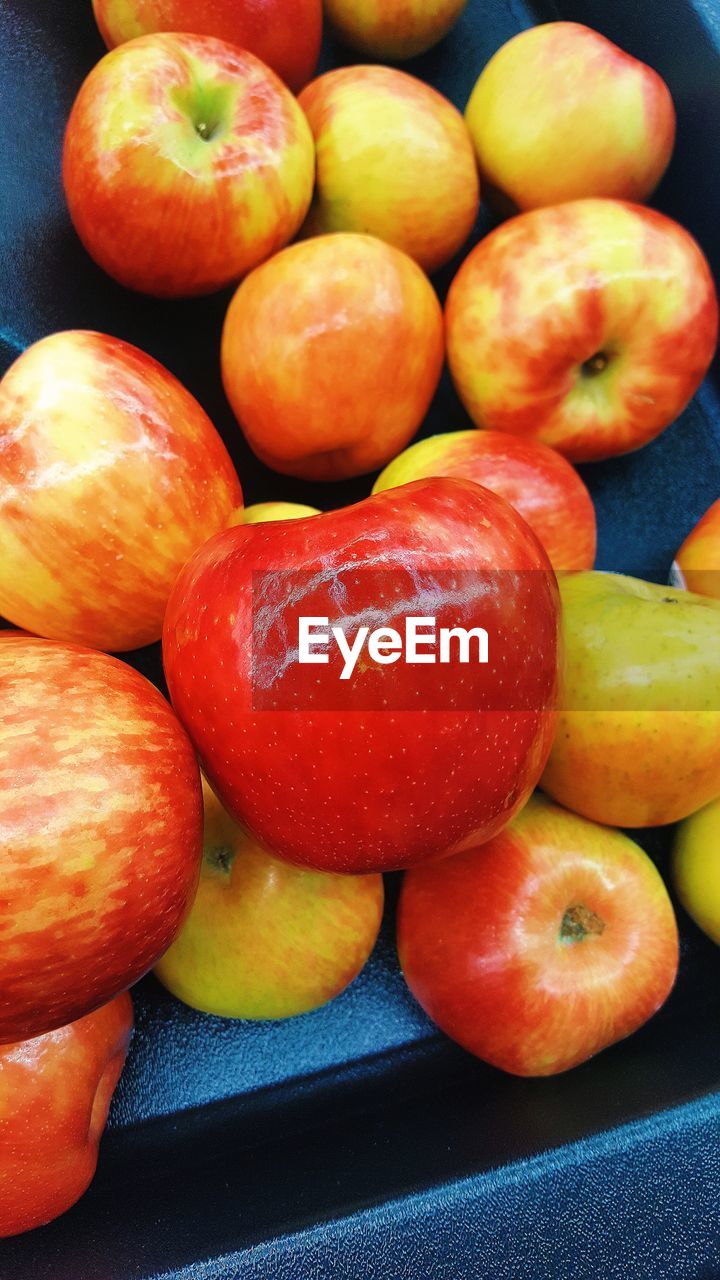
x=530 y=928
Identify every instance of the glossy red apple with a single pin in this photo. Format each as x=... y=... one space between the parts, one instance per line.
x=587 y=326
x=101 y=820
x=55 y=1092
x=186 y=163
x=111 y=475
x=399 y=761
x=284 y=34
x=542 y=947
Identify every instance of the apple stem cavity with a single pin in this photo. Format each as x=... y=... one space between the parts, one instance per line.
x=595 y=365
x=220 y=857
x=578 y=922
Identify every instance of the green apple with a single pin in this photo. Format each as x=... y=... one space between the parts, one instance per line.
x=638 y=736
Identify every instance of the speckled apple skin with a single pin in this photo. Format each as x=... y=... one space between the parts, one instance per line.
x=365 y=790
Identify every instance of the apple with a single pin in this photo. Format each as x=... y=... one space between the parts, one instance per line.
x=638 y=735
x=265 y=939
x=55 y=1092
x=101 y=815
x=588 y=326
x=331 y=353
x=697 y=563
x=259 y=512
x=696 y=867
x=186 y=163
x=539 y=483
x=393 y=30
x=110 y=476
x=402 y=760
x=284 y=34
x=547 y=944
x=394 y=159
x=560 y=113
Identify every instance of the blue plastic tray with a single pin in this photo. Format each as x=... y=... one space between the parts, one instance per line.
x=356 y=1142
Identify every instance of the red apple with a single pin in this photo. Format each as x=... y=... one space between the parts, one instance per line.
x=588 y=326
x=399 y=760
x=544 y=946
x=535 y=480
x=186 y=163
x=284 y=34
x=331 y=353
x=111 y=475
x=392 y=30
x=697 y=563
x=55 y=1093
x=101 y=815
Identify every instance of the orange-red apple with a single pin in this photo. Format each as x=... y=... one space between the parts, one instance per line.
x=394 y=159
x=560 y=113
x=265 y=939
x=284 y=34
x=186 y=163
x=55 y=1092
x=101 y=818
x=535 y=480
x=331 y=353
x=542 y=947
x=588 y=326
x=697 y=563
x=111 y=475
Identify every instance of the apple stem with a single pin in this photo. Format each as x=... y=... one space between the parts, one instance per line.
x=596 y=364
x=578 y=922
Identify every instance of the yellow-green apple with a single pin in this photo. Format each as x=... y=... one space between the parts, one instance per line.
x=284 y=34
x=393 y=29
x=542 y=947
x=535 y=480
x=588 y=326
x=331 y=353
x=55 y=1092
x=259 y=512
x=696 y=867
x=101 y=817
x=697 y=563
x=110 y=476
x=638 y=736
x=560 y=113
x=384 y=756
x=265 y=939
x=395 y=159
x=186 y=163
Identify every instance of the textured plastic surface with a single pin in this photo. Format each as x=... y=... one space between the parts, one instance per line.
x=356 y=1142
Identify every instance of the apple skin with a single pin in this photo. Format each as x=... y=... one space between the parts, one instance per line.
x=696 y=867
x=392 y=30
x=265 y=939
x=129 y=477
x=259 y=512
x=55 y=1092
x=547 y=944
x=394 y=159
x=588 y=326
x=538 y=482
x=298 y=319
x=638 y=734
x=359 y=788
x=186 y=163
x=284 y=34
x=560 y=113
x=697 y=563
x=101 y=814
